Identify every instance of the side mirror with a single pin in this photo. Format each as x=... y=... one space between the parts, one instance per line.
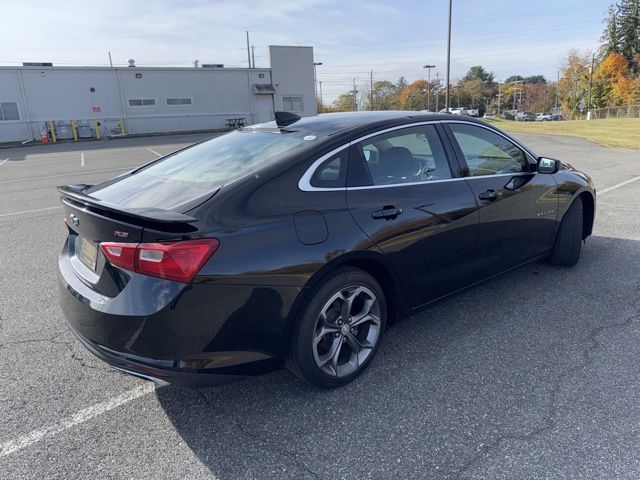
x=548 y=165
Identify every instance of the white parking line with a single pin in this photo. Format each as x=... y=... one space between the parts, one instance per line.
x=153 y=151
x=12 y=446
x=70 y=174
x=29 y=211
x=82 y=159
x=618 y=185
x=4 y=161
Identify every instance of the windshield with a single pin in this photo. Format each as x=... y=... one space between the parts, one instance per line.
x=200 y=170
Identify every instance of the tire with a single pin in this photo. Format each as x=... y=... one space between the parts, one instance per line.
x=566 y=250
x=327 y=351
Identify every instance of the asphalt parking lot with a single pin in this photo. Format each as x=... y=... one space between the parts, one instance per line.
x=532 y=375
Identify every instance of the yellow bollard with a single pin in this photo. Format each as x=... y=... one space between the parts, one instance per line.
x=52 y=129
x=74 y=129
x=96 y=128
x=123 y=132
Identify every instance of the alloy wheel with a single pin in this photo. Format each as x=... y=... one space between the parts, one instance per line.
x=347 y=331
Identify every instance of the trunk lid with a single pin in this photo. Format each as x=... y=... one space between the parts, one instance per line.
x=92 y=221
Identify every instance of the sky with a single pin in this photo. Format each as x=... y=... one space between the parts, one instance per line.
x=350 y=38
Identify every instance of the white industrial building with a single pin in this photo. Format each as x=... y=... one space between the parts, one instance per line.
x=90 y=102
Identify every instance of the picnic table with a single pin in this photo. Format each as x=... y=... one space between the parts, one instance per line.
x=237 y=122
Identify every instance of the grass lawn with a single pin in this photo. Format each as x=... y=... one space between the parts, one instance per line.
x=611 y=132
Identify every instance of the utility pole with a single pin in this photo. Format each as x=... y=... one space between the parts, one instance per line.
x=248 y=50
x=429 y=67
x=321 y=104
x=371 y=90
x=315 y=81
x=517 y=94
x=253 y=56
x=355 y=96
x=555 y=109
x=446 y=101
x=110 y=61
x=438 y=92
x=593 y=59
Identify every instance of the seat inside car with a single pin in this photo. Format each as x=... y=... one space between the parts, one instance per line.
x=396 y=163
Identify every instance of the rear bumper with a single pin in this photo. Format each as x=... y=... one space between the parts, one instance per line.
x=169 y=332
x=153 y=370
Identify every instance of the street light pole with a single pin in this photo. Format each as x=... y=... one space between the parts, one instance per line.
x=315 y=82
x=429 y=67
x=593 y=59
x=446 y=101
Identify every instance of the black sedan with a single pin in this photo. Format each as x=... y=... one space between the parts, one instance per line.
x=298 y=242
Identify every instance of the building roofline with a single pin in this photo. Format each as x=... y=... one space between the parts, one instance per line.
x=133 y=69
x=290 y=46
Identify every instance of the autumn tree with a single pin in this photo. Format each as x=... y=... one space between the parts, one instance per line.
x=344 y=103
x=385 y=96
x=573 y=87
x=613 y=84
x=414 y=96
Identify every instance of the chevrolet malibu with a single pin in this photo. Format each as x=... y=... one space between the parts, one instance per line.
x=297 y=242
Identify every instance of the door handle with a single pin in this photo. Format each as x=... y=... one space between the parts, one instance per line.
x=388 y=213
x=489 y=195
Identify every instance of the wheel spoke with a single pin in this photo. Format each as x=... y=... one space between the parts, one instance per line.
x=324 y=330
x=367 y=317
x=334 y=351
x=350 y=298
x=333 y=363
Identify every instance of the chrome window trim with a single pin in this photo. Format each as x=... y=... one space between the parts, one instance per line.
x=304 y=183
x=429 y=182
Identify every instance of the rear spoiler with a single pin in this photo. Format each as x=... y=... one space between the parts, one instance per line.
x=150 y=214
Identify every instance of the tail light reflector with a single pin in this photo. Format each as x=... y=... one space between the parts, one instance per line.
x=178 y=261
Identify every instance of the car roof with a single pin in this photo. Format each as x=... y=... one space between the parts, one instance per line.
x=343 y=122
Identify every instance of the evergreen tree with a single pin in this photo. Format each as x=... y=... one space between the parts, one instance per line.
x=629 y=22
x=611 y=36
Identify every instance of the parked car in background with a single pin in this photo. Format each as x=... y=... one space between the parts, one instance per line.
x=459 y=111
x=508 y=115
x=544 y=117
x=525 y=117
x=296 y=242
x=473 y=112
x=489 y=115
x=557 y=116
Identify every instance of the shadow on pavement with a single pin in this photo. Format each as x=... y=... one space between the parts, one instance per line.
x=447 y=385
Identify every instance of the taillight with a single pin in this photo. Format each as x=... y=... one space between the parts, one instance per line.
x=120 y=254
x=178 y=261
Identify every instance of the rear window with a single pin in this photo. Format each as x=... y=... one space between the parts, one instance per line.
x=201 y=169
x=225 y=158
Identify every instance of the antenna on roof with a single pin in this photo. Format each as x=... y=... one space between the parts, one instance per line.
x=286 y=118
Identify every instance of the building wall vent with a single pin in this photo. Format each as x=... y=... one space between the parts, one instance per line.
x=263 y=89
